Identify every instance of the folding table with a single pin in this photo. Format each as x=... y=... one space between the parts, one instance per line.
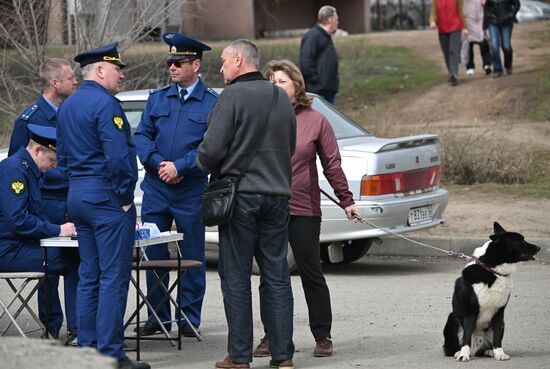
x=165 y=237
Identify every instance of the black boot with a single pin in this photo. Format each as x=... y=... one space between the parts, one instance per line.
x=127 y=363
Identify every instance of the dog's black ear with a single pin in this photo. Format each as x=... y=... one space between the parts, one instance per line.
x=498 y=228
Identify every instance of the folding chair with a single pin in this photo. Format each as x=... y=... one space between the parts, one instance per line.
x=180 y=266
x=19 y=295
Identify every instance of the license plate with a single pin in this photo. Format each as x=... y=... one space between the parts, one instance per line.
x=420 y=215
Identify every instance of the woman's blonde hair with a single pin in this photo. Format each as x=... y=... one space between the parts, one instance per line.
x=293 y=72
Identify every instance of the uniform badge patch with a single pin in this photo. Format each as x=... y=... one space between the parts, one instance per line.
x=118 y=121
x=17 y=187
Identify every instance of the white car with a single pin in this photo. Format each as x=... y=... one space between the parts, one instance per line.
x=531 y=10
x=395 y=183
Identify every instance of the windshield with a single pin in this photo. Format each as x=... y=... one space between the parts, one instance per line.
x=343 y=126
x=133 y=110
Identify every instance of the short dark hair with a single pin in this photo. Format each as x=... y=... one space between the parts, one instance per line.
x=51 y=68
x=248 y=49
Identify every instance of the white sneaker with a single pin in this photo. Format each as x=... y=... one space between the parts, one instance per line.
x=470 y=72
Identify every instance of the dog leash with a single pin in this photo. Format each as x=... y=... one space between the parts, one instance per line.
x=388 y=231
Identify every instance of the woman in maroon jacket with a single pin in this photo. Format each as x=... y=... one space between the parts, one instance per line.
x=314 y=137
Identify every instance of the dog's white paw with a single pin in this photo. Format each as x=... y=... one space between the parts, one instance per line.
x=499 y=354
x=463 y=354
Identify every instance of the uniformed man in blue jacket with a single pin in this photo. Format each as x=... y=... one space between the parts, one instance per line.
x=58 y=82
x=96 y=147
x=22 y=223
x=171 y=128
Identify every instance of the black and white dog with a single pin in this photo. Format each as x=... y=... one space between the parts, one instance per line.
x=476 y=324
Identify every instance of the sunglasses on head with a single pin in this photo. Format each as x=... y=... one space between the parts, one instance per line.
x=178 y=63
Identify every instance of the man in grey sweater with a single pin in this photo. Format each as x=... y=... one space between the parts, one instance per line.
x=258 y=226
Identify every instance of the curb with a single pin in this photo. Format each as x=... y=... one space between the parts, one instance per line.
x=395 y=246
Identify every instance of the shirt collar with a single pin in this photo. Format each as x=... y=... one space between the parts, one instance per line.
x=46 y=107
x=54 y=107
x=25 y=156
x=93 y=84
x=189 y=89
x=251 y=76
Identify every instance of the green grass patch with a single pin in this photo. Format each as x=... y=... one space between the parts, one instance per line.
x=538 y=189
x=371 y=74
x=541 y=104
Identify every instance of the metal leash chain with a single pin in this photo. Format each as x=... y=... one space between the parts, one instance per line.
x=364 y=220
x=448 y=252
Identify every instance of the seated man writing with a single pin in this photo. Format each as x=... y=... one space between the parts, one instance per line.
x=22 y=226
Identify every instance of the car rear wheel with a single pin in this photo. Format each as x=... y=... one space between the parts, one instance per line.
x=352 y=250
x=292 y=267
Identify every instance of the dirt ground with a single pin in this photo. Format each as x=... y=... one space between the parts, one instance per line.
x=477 y=103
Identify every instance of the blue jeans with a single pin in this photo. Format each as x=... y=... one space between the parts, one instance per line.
x=258 y=228
x=501 y=37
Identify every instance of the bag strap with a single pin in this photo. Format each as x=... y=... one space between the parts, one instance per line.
x=271 y=114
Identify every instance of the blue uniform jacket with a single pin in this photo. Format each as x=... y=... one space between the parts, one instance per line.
x=172 y=131
x=42 y=114
x=94 y=139
x=20 y=200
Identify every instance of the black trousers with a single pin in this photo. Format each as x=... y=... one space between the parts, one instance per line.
x=303 y=236
x=485 y=51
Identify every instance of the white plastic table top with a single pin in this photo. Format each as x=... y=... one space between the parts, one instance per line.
x=69 y=242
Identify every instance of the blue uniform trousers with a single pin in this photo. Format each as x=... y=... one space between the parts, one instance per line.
x=55 y=209
x=28 y=256
x=163 y=204
x=105 y=240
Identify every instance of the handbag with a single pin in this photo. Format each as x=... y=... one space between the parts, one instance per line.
x=219 y=196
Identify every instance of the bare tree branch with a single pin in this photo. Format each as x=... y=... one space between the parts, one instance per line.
x=23 y=39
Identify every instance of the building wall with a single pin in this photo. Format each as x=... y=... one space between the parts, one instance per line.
x=280 y=15
x=277 y=15
x=232 y=19
x=218 y=19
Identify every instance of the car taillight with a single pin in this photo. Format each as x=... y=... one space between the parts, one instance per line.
x=414 y=180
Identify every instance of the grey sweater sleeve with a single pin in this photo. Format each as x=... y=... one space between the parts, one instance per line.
x=221 y=129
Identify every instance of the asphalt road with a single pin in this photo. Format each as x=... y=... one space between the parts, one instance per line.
x=388 y=312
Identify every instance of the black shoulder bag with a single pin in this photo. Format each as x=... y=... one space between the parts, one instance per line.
x=219 y=197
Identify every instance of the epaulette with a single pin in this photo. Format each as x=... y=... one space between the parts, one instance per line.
x=159 y=89
x=27 y=114
x=208 y=89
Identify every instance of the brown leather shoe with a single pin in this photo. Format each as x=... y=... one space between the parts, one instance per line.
x=263 y=348
x=227 y=363
x=281 y=364
x=323 y=347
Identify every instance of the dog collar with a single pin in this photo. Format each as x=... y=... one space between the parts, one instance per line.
x=487 y=268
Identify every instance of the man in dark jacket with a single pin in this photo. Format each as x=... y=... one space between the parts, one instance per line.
x=258 y=226
x=318 y=57
x=500 y=16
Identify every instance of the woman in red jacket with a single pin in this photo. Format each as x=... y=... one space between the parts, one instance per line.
x=314 y=137
x=448 y=17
